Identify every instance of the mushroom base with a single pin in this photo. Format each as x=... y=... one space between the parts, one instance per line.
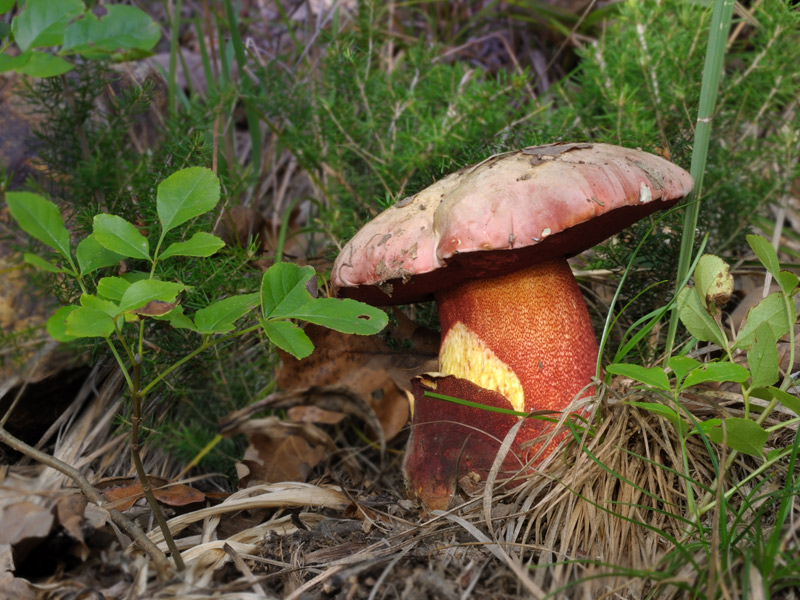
x=522 y=341
x=455 y=452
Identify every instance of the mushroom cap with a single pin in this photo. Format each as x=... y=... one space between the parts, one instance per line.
x=503 y=214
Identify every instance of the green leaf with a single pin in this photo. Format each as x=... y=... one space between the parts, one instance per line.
x=185 y=195
x=116 y=234
x=697 y=320
x=765 y=253
x=112 y=288
x=57 y=324
x=6 y=5
x=770 y=310
x=142 y=292
x=288 y=337
x=283 y=289
x=763 y=358
x=178 y=319
x=106 y=306
x=743 y=435
x=122 y=27
x=716 y=371
x=92 y=255
x=681 y=365
x=220 y=316
x=13 y=63
x=40 y=263
x=785 y=398
x=788 y=281
x=200 y=244
x=713 y=281
x=653 y=376
x=42 y=64
x=89 y=322
x=706 y=426
x=347 y=316
x=42 y=22
x=663 y=410
x=39 y=218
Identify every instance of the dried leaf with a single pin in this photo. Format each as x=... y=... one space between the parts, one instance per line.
x=124 y=492
x=280 y=450
x=24 y=521
x=365 y=365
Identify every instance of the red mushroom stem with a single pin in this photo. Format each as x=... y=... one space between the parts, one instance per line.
x=525 y=337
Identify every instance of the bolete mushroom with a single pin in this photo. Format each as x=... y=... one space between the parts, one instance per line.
x=490 y=244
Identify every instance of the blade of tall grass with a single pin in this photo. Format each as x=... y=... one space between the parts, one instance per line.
x=712 y=72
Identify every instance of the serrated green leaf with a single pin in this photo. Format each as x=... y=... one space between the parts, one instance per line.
x=283 y=289
x=681 y=365
x=57 y=324
x=743 y=435
x=42 y=22
x=653 y=376
x=716 y=371
x=763 y=358
x=770 y=310
x=288 y=337
x=116 y=234
x=185 y=195
x=92 y=255
x=200 y=244
x=766 y=254
x=39 y=218
x=106 y=306
x=112 y=288
x=220 y=316
x=663 y=410
x=713 y=281
x=788 y=281
x=785 y=398
x=43 y=65
x=40 y=263
x=121 y=28
x=89 y=322
x=142 y=292
x=696 y=319
x=347 y=316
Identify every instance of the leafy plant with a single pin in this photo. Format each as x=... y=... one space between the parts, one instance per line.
x=124 y=32
x=111 y=305
x=768 y=321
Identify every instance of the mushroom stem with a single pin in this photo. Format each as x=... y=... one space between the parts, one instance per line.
x=522 y=341
x=526 y=335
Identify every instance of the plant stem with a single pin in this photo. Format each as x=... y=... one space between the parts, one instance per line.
x=712 y=71
x=144 y=480
x=132 y=529
x=202 y=347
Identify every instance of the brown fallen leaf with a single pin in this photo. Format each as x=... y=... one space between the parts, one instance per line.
x=365 y=365
x=281 y=450
x=124 y=492
x=23 y=526
x=70 y=514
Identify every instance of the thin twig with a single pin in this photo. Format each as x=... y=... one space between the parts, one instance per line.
x=132 y=529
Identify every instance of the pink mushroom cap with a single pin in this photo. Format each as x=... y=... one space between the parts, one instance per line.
x=503 y=214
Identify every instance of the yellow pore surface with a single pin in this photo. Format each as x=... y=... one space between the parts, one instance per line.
x=464 y=355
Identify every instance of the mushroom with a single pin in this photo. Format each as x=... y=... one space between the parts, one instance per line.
x=490 y=244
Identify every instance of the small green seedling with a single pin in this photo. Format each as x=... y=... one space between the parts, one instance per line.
x=111 y=304
x=767 y=322
x=123 y=33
